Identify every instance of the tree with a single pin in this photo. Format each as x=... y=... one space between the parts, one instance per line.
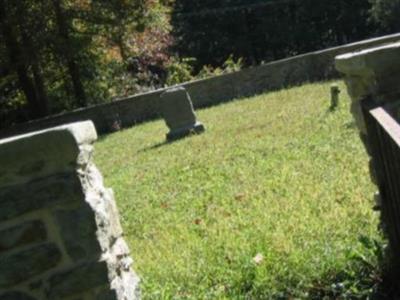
x=120 y=18
x=53 y=52
x=16 y=38
x=265 y=30
x=67 y=52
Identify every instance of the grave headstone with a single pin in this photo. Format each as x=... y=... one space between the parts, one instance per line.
x=335 y=91
x=177 y=110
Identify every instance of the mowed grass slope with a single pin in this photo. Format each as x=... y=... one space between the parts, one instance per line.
x=276 y=176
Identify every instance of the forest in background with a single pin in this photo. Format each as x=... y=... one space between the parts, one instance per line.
x=59 y=55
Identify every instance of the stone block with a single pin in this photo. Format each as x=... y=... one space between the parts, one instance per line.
x=126 y=279
x=371 y=72
x=115 y=252
x=39 y=193
x=81 y=278
x=108 y=225
x=78 y=232
x=43 y=153
x=22 y=234
x=374 y=61
x=23 y=265
x=118 y=259
x=177 y=110
x=53 y=171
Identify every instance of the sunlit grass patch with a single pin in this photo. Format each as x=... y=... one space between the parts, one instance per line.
x=271 y=198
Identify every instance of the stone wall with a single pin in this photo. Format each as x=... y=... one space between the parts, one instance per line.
x=309 y=67
x=60 y=236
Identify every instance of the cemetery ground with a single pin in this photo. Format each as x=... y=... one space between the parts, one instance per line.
x=273 y=201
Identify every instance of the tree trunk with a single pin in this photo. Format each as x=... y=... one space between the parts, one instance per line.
x=18 y=61
x=249 y=33
x=68 y=55
x=119 y=40
x=33 y=60
x=40 y=88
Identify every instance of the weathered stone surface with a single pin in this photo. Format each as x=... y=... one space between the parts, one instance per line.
x=126 y=285
x=177 y=110
x=102 y=203
x=78 y=231
x=45 y=152
x=375 y=61
x=118 y=259
x=22 y=234
x=372 y=72
x=82 y=278
x=23 y=265
x=58 y=187
x=19 y=199
x=16 y=296
x=115 y=252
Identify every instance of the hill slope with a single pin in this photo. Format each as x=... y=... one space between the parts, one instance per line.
x=270 y=201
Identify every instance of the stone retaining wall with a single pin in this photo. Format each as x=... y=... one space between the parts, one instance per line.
x=60 y=236
x=309 y=67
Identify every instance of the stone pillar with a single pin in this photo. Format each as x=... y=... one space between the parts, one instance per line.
x=60 y=236
x=177 y=110
x=375 y=74
x=372 y=72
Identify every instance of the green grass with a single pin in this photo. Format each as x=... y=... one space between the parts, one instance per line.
x=277 y=175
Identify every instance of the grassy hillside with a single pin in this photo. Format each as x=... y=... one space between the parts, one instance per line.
x=270 y=202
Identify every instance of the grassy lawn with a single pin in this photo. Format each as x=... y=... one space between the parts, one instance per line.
x=270 y=202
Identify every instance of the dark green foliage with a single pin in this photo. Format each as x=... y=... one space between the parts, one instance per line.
x=386 y=14
x=118 y=19
x=265 y=30
x=48 y=63
x=50 y=59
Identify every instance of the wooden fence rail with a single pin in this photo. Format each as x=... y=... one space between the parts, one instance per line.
x=384 y=146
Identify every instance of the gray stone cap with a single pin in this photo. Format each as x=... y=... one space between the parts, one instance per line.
x=173 y=89
x=83 y=133
x=369 y=61
x=43 y=153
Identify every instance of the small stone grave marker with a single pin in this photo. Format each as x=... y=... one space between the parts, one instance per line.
x=335 y=91
x=178 y=113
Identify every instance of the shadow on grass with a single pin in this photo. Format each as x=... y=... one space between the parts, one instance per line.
x=363 y=284
x=162 y=144
x=366 y=277
x=156 y=146
x=168 y=142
